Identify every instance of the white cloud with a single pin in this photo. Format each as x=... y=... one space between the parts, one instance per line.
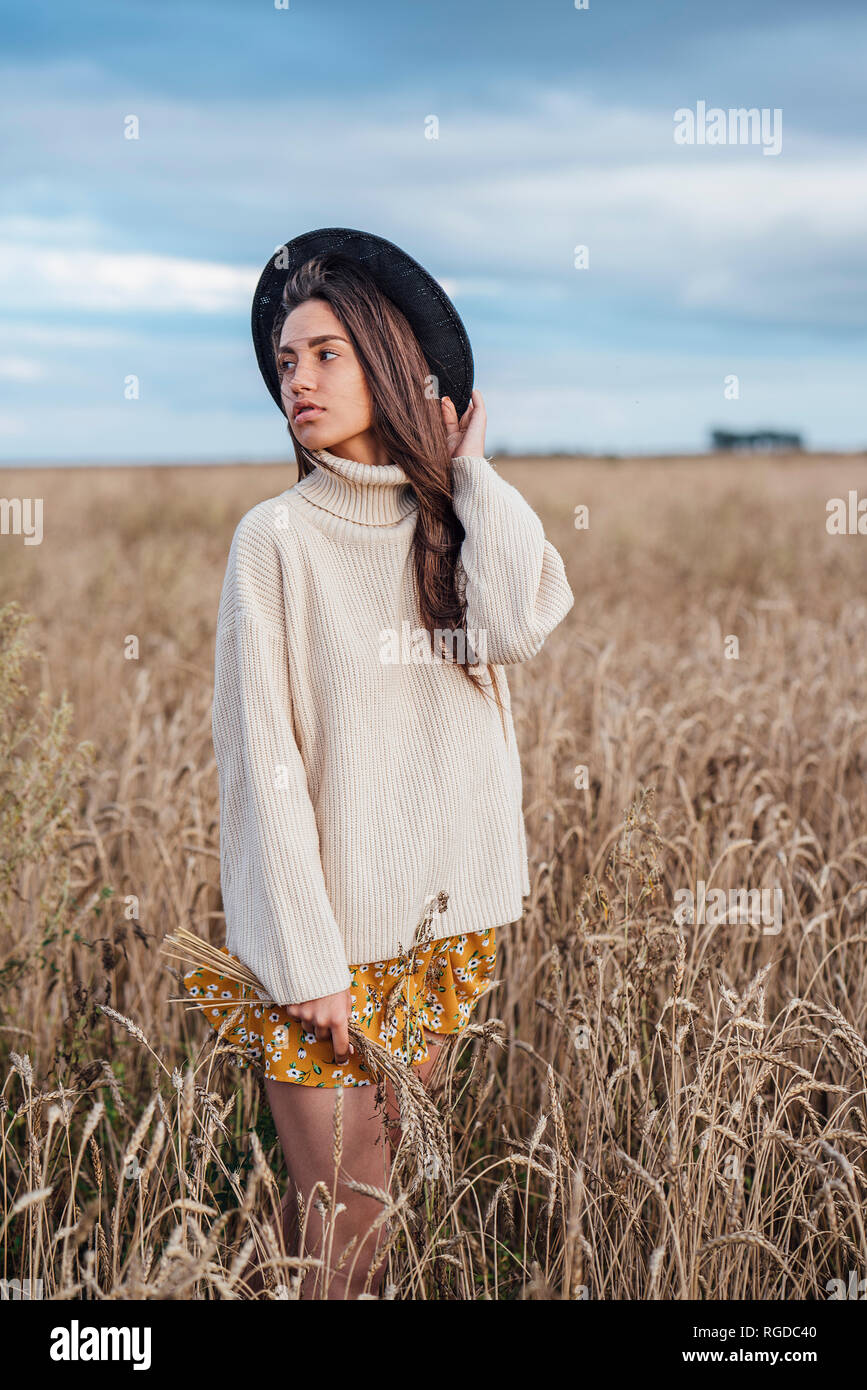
x=20 y=369
x=704 y=234
x=49 y=273
x=493 y=208
x=52 y=335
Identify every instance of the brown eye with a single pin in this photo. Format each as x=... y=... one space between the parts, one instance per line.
x=283 y=363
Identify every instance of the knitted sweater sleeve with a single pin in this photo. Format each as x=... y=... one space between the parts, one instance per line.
x=279 y=919
x=516 y=587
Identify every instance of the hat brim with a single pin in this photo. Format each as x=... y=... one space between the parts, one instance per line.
x=434 y=319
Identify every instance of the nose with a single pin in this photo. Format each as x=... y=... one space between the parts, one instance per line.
x=299 y=382
x=304 y=388
x=300 y=385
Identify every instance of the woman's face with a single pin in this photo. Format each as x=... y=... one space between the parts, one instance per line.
x=317 y=363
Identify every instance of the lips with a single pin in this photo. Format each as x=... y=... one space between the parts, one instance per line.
x=307 y=412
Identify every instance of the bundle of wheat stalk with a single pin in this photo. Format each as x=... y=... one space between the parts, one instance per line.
x=197 y=951
x=426 y=1145
x=194 y=950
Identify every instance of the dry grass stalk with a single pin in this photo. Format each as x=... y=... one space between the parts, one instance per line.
x=654 y=1092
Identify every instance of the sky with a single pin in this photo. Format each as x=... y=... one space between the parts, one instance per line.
x=723 y=286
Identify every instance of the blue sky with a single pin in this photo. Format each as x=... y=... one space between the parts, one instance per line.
x=139 y=257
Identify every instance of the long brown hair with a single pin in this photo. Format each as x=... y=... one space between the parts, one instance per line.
x=407 y=421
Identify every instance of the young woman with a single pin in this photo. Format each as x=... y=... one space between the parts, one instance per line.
x=361 y=718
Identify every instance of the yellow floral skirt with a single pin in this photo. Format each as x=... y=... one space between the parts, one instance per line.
x=433 y=987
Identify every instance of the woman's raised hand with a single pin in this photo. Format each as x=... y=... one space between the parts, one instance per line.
x=329 y=1019
x=467 y=435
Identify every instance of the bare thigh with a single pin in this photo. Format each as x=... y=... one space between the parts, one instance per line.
x=304 y=1119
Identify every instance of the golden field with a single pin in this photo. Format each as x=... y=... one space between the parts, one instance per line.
x=643 y=1108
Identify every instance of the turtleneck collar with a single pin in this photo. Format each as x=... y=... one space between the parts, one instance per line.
x=368 y=493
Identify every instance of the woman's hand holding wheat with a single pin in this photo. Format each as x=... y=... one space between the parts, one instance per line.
x=329 y=1018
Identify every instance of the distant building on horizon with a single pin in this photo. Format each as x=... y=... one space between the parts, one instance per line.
x=767 y=440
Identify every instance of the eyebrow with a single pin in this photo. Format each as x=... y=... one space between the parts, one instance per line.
x=312 y=342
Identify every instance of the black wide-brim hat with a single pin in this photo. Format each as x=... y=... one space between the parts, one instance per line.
x=434 y=319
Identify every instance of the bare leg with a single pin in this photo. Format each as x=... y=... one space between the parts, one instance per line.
x=304 y=1118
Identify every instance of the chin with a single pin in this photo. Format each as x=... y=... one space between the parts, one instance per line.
x=314 y=436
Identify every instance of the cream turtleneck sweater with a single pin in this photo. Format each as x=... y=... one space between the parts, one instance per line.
x=356 y=781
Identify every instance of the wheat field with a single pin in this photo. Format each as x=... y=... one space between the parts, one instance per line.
x=645 y=1107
